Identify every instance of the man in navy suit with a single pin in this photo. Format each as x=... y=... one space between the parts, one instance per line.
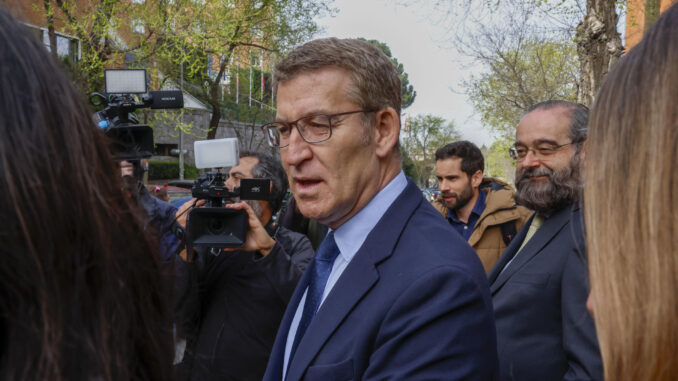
x=393 y=292
x=540 y=284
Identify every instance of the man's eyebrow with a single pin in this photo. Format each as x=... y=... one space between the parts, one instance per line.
x=536 y=142
x=546 y=140
x=307 y=114
x=237 y=173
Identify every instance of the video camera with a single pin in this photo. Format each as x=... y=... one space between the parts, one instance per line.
x=131 y=141
x=215 y=226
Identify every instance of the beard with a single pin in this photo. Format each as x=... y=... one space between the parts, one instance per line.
x=460 y=199
x=563 y=187
x=256 y=207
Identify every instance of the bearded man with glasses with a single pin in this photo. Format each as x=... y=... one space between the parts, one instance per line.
x=393 y=291
x=539 y=285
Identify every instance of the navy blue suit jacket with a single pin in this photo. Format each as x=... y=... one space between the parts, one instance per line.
x=412 y=304
x=544 y=331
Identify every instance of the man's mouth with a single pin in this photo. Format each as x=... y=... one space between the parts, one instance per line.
x=305 y=183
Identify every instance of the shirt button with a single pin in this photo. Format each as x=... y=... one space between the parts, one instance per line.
x=465 y=227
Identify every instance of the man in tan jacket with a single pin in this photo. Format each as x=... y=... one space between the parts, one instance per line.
x=482 y=210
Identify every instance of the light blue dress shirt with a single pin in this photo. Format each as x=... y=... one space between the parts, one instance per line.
x=350 y=236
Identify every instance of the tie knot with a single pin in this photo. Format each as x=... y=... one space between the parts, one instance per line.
x=328 y=250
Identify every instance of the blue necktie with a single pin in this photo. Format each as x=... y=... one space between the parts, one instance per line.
x=321 y=268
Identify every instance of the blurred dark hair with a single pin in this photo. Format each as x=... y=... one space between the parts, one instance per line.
x=471 y=158
x=269 y=167
x=631 y=195
x=82 y=296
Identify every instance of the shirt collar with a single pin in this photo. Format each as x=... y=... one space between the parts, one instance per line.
x=351 y=235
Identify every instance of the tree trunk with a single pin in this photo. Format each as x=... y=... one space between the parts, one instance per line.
x=216 y=107
x=214 y=122
x=599 y=46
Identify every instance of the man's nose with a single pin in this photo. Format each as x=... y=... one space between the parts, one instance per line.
x=298 y=150
x=531 y=160
x=443 y=186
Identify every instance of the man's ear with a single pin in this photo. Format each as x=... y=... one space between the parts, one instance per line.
x=582 y=153
x=386 y=131
x=477 y=178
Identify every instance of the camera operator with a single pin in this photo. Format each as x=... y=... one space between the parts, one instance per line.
x=229 y=305
x=159 y=214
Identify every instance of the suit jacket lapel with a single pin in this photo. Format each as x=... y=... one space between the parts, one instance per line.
x=549 y=229
x=277 y=359
x=356 y=280
x=509 y=252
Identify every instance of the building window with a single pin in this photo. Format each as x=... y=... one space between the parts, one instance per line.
x=165 y=149
x=67 y=47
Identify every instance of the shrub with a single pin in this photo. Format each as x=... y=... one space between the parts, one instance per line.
x=160 y=170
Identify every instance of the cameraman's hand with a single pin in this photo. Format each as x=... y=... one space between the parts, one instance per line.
x=180 y=216
x=182 y=213
x=257 y=236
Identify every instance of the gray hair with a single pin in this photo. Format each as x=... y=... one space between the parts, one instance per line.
x=376 y=83
x=269 y=167
x=579 y=117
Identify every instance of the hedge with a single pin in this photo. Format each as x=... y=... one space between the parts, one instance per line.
x=160 y=170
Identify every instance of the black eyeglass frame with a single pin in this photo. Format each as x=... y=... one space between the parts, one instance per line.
x=289 y=125
x=514 y=153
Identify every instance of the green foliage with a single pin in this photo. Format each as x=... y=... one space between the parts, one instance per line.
x=408 y=94
x=423 y=135
x=202 y=36
x=160 y=170
x=176 y=122
x=408 y=166
x=210 y=40
x=651 y=14
x=530 y=72
x=498 y=163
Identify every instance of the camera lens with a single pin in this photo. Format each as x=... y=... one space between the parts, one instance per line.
x=216 y=226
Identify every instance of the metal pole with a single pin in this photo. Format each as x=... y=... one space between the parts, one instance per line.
x=181 y=132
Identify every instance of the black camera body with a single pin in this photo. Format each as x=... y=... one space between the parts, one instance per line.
x=214 y=226
x=130 y=140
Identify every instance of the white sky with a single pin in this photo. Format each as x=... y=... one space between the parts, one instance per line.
x=415 y=40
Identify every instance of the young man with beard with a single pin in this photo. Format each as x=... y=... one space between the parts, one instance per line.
x=540 y=284
x=229 y=305
x=481 y=209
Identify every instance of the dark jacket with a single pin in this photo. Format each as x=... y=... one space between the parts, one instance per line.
x=413 y=304
x=543 y=329
x=229 y=307
x=487 y=238
x=160 y=216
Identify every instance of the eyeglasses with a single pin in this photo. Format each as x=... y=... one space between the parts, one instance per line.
x=518 y=152
x=312 y=128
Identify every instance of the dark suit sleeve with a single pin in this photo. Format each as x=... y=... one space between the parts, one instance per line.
x=440 y=328
x=579 y=334
x=286 y=262
x=190 y=281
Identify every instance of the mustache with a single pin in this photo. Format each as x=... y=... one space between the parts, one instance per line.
x=532 y=172
x=562 y=188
